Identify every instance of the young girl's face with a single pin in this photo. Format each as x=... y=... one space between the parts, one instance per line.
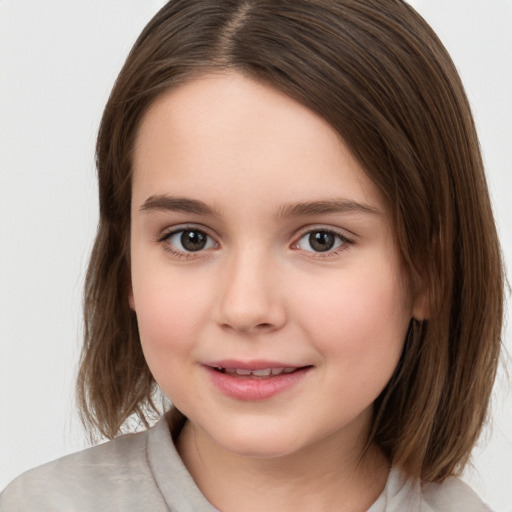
x=269 y=291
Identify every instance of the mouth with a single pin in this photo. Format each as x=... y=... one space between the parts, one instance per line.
x=255 y=380
x=261 y=373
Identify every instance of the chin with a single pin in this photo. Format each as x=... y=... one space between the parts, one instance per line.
x=257 y=441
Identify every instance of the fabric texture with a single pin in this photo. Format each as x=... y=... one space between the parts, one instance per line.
x=143 y=472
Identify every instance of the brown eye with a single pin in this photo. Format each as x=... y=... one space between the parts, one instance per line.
x=321 y=241
x=193 y=240
x=190 y=240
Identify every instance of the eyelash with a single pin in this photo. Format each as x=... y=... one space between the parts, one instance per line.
x=344 y=242
x=164 y=240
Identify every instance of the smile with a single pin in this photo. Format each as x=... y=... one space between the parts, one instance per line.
x=254 y=381
x=261 y=373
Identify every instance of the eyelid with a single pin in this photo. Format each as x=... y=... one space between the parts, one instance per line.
x=165 y=234
x=347 y=240
x=170 y=230
x=343 y=233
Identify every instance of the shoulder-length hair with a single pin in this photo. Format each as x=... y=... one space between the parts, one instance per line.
x=380 y=76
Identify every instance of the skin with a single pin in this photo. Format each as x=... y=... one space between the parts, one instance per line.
x=259 y=291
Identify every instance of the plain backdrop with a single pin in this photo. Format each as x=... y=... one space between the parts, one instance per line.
x=58 y=61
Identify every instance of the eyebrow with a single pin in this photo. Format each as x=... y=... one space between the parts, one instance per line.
x=177 y=204
x=183 y=204
x=326 y=206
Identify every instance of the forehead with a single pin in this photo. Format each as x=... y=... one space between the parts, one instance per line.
x=226 y=134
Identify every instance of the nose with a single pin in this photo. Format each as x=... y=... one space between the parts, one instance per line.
x=251 y=295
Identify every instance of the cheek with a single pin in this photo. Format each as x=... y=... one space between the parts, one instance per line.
x=359 y=320
x=169 y=316
x=359 y=329
x=169 y=313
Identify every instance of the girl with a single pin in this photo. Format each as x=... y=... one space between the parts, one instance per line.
x=296 y=246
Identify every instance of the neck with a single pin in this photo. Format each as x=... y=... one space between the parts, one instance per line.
x=331 y=475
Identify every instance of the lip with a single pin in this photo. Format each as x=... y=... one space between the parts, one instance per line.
x=251 y=388
x=259 y=364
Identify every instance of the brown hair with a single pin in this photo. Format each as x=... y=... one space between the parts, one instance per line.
x=379 y=75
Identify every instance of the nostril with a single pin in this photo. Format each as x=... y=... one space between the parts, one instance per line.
x=249 y=314
x=264 y=326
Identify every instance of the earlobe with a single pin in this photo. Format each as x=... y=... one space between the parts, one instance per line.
x=131 y=300
x=420 y=307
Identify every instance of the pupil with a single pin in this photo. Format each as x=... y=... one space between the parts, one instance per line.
x=193 y=240
x=321 y=241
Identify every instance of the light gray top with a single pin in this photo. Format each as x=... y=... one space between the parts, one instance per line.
x=143 y=472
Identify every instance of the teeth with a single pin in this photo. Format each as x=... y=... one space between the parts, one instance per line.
x=239 y=371
x=264 y=372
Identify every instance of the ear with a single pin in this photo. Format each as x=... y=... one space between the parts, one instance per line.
x=420 y=309
x=131 y=300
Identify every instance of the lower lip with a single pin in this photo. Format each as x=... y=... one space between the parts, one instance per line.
x=255 y=389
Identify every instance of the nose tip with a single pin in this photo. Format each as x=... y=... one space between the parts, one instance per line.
x=251 y=300
x=250 y=314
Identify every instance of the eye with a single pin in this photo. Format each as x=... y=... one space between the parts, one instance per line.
x=190 y=240
x=321 y=240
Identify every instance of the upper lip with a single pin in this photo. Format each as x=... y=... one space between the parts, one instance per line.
x=251 y=365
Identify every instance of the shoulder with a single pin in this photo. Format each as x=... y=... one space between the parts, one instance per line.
x=453 y=495
x=97 y=478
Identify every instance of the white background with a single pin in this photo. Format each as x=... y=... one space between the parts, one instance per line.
x=58 y=61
